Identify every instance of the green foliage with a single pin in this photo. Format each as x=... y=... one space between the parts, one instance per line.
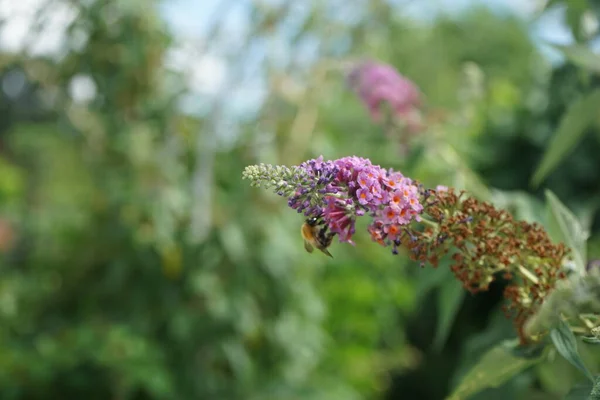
x=580 y=392
x=572 y=127
x=11 y=181
x=590 y=339
x=450 y=297
x=493 y=369
x=565 y=227
x=595 y=393
x=581 y=56
x=566 y=344
x=143 y=267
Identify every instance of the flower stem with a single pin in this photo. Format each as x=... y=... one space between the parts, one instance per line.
x=527 y=274
x=432 y=224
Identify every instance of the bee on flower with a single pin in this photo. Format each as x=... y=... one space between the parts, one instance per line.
x=427 y=224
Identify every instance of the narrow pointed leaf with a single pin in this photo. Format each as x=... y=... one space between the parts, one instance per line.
x=581 y=391
x=450 y=298
x=581 y=56
x=585 y=391
x=595 y=395
x=565 y=226
x=496 y=367
x=566 y=345
x=591 y=340
x=571 y=129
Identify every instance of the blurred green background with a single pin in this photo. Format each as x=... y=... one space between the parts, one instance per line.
x=136 y=264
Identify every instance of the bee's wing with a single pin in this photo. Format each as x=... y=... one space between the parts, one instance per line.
x=308 y=246
x=327 y=252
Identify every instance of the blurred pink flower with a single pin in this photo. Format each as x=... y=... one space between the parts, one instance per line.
x=378 y=83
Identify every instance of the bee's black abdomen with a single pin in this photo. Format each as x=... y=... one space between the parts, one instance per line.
x=324 y=237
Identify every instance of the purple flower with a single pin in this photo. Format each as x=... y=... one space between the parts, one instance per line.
x=364 y=196
x=366 y=179
x=377 y=191
x=388 y=196
x=339 y=219
x=339 y=191
x=318 y=177
x=391 y=214
x=397 y=199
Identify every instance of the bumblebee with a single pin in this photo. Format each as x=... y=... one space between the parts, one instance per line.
x=315 y=234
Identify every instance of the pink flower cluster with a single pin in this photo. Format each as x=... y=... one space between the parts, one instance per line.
x=389 y=197
x=378 y=83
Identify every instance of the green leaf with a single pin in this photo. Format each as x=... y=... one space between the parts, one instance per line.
x=550 y=4
x=595 y=395
x=581 y=56
x=590 y=339
x=521 y=205
x=574 y=15
x=233 y=241
x=535 y=350
x=572 y=127
x=564 y=226
x=432 y=278
x=581 y=391
x=415 y=154
x=566 y=345
x=450 y=298
x=585 y=391
x=495 y=367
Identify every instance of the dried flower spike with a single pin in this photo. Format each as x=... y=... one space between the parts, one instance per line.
x=488 y=243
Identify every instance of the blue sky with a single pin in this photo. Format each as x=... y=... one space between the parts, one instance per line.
x=208 y=74
x=192 y=19
x=205 y=64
